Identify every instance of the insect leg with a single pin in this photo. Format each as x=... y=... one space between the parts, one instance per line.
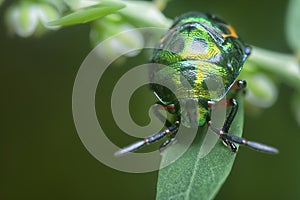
x=151 y=139
x=232 y=146
x=234 y=108
x=238 y=85
x=253 y=145
x=228 y=138
x=233 y=103
x=168 y=142
x=171 y=109
x=162 y=118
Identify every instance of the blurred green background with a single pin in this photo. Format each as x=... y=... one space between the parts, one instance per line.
x=42 y=157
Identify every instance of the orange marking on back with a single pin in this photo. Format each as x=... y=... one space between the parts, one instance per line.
x=231 y=34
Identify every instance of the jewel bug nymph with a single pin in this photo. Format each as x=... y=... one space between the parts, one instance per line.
x=199 y=46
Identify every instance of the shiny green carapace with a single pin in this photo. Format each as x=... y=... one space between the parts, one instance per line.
x=204 y=50
x=193 y=68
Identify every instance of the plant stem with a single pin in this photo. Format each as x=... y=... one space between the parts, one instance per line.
x=284 y=66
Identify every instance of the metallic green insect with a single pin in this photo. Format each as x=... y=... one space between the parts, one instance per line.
x=209 y=55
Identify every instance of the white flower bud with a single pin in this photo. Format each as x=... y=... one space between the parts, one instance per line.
x=24 y=19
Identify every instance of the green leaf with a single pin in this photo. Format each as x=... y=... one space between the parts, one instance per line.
x=193 y=176
x=88 y=14
x=293 y=24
